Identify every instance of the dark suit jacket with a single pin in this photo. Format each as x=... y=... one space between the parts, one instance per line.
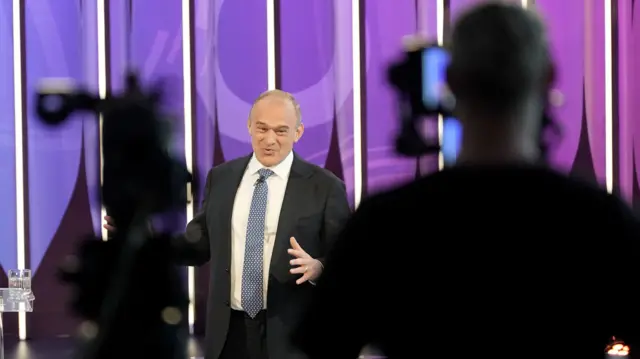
x=314 y=209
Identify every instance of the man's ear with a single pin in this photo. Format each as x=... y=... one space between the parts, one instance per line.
x=452 y=80
x=299 y=132
x=249 y=126
x=551 y=76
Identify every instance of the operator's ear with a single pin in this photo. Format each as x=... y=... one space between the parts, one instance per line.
x=550 y=78
x=453 y=81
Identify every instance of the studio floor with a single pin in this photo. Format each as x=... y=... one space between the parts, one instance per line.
x=61 y=349
x=64 y=349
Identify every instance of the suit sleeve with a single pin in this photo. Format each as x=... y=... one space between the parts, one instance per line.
x=192 y=248
x=338 y=319
x=336 y=215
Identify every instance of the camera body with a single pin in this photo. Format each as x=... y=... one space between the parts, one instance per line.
x=419 y=79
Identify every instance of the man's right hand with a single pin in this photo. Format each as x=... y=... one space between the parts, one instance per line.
x=109 y=225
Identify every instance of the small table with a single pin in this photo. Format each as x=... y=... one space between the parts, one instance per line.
x=13 y=300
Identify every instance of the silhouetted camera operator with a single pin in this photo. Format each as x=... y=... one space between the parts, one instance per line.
x=498 y=255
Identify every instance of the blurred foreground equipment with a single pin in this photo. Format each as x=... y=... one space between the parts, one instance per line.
x=617 y=348
x=128 y=291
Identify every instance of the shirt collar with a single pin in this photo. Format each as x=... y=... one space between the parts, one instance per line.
x=281 y=170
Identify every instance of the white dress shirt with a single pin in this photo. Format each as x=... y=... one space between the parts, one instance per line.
x=277 y=185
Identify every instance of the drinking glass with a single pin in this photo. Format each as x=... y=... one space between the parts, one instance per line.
x=21 y=279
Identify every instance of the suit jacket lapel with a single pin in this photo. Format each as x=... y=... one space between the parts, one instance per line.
x=229 y=183
x=297 y=186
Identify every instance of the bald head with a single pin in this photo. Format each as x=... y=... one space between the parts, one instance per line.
x=274 y=125
x=279 y=95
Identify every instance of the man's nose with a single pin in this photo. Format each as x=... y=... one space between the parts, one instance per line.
x=270 y=138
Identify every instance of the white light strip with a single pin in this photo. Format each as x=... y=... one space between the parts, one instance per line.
x=524 y=3
x=357 y=102
x=18 y=117
x=440 y=35
x=608 y=95
x=101 y=18
x=188 y=140
x=271 y=45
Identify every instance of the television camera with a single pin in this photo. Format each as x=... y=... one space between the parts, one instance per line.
x=127 y=289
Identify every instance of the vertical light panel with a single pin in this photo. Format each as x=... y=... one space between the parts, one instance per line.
x=271 y=44
x=440 y=33
x=19 y=135
x=425 y=22
x=608 y=94
x=58 y=204
x=566 y=35
x=384 y=167
x=357 y=101
x=594 y=98
x=188 y=137
x=310 y=43
x=8 y=247
x=241 y=72
x=628 y=105
x=102 y=86
x=204 y=118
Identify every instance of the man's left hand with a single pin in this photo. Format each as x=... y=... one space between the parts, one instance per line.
x=303 y=263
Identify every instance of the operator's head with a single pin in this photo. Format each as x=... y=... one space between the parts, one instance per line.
x=275 y=124
x=500 y=73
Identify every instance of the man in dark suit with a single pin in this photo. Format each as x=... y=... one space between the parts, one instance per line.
x=266 y=223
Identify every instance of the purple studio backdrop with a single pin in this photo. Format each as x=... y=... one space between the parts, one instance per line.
x=314 y=62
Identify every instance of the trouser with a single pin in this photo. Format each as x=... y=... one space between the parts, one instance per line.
x=246 y=337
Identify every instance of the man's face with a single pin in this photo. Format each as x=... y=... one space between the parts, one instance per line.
x=273 y=129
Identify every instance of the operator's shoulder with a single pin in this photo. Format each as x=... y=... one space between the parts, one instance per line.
x=590 y=197
x=401 y=195
x=619 y=214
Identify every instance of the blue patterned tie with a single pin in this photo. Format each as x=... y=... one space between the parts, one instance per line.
x=252 y=276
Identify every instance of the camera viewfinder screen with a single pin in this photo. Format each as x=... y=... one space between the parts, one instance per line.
x=434 y=66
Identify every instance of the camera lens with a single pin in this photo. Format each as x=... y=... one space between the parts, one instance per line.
x=52 y=103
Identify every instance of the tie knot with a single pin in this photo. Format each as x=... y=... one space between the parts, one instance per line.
x=265 y=173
